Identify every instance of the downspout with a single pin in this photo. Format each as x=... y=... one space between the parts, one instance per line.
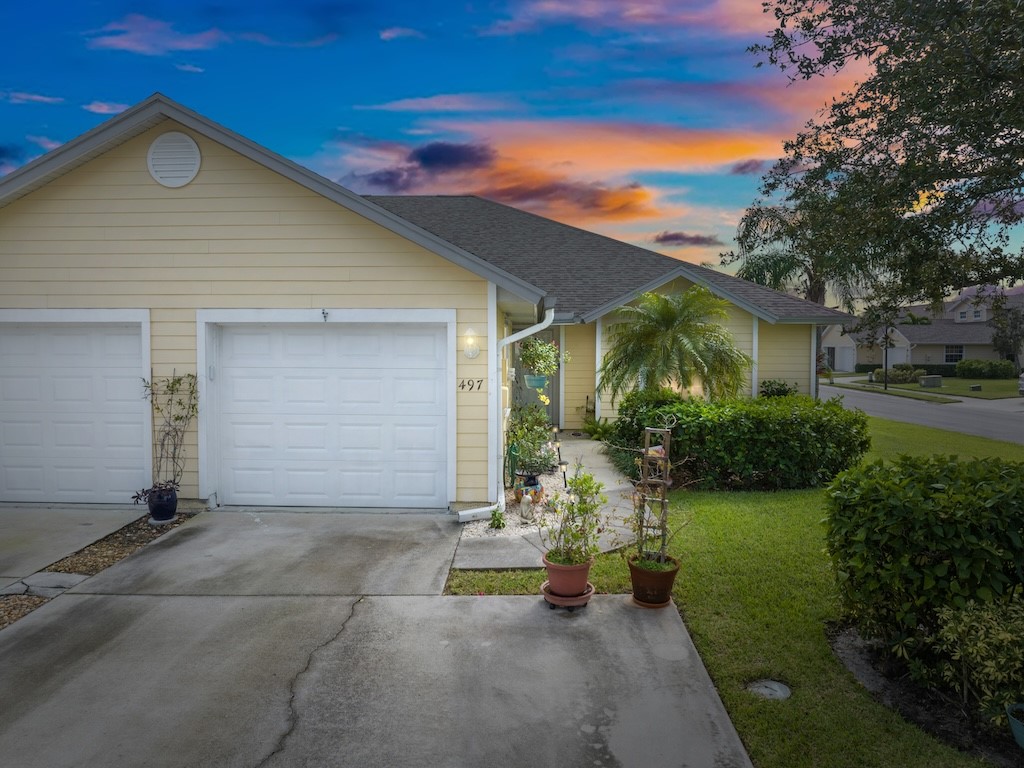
x=482 y=513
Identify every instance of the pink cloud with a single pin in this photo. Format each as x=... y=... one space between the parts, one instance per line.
x=445 y=102
x=20 y=97
x=395 y=33
x=151 y=37
x=739 y=17
x=104 y=107
x=44 y=142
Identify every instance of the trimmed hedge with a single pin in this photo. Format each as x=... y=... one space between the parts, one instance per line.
x=762 y=444
x=921 y=534
x=932 y=369
x=900 y=375
x=986 y=369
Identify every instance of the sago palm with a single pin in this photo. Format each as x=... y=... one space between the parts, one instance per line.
x=673 y=339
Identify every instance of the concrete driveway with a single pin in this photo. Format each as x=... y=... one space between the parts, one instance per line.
x=33 y=536
x=293 y=639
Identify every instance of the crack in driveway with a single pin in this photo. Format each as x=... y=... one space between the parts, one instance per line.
x=293 y=717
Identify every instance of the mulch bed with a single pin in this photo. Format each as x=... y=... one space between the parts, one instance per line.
x=937 y=714
x=91 y=560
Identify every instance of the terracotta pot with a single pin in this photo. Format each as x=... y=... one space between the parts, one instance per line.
x=567 y=580
x=652 y=589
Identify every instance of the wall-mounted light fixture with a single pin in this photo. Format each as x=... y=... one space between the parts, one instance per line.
x=471 y=348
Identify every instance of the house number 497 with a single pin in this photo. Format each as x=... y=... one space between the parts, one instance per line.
x=471 y=385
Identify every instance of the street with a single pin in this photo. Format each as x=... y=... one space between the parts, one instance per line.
x=997 y=419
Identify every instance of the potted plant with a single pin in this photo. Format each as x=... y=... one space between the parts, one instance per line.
x=571 y=540
x=652 y=571
x=534 y=460
x=540 y=359
x=175 y=401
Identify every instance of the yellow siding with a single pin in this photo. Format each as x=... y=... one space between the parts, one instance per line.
x=785 y=353
x=239 y=236
x=578 y=373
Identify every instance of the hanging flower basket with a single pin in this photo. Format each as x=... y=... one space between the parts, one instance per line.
x=540 y=357
x=535 y=382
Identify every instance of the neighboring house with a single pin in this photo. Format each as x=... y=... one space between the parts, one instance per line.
x=959 y=331
x=351 y=351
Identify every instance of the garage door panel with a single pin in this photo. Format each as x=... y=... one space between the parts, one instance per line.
x=322 y=415
x=73 y=417
x=305 y=391
x=413 y=483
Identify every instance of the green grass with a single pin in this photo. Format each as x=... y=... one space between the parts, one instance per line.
x=991 y=389
x=894 y=392
x=889 y=439
x=757 y=594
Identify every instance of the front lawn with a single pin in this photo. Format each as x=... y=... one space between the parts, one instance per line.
x=991 y=389
x=756 y=592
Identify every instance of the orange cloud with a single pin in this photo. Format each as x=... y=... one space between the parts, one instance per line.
x=615 y=148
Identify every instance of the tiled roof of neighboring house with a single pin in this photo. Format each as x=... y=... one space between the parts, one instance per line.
x=590 y=274
x=947 y=332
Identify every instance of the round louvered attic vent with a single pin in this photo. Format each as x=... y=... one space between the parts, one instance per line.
x=173 y=159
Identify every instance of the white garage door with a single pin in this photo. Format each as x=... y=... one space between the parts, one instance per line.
x=345 y=415
x=73 y=419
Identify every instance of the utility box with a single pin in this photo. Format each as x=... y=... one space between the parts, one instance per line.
x=930 y=382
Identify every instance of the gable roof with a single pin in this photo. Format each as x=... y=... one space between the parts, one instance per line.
x=530 y=258
x=158 y=109
x=947 y=332
x=591 y=274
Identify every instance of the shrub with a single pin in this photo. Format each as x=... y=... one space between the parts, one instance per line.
x=598 y=429
x=767 y=443
x=938 y=369
x=528 y=428
x=983 y=656
x=777 y=388
x=901 y=375
x=920 y=534
x=986 y=369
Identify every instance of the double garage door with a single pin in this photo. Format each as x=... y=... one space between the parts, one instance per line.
x=338 y=415
x=341 y=415
x=73 y=421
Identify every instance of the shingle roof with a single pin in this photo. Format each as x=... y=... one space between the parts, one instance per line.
x=590 y=274
x=947 y=332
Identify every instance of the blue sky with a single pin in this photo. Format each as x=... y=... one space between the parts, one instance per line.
x=647 y=121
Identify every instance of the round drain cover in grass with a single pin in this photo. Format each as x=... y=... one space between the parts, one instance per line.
x=770 y=689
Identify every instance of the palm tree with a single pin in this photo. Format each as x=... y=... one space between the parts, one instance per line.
x=779 y=250
x=673 y=339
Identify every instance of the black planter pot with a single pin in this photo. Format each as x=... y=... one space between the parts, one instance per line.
x=162 y=506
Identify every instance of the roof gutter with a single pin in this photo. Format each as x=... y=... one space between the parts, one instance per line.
x=482 y=513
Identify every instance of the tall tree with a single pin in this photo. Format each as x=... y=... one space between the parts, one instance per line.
x=922 y=159
x=781 y=249
x=673 y=339
x=1007 y=325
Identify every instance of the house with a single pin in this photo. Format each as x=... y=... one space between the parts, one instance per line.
x=351 y=351
x=923 y=337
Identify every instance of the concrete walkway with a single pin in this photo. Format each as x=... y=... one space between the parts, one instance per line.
x=507 y=552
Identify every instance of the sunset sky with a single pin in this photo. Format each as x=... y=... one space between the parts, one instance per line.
x=643 y=120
